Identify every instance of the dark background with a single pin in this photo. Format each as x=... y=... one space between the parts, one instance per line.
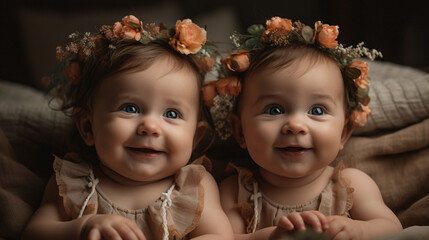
x=398 y=30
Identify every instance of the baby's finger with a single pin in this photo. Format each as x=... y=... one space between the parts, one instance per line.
x=285 y=223
x=313 y=220
x=322 y=218
x=94 y=234
x=297 y=221
x=110 y=234
x=333 y=229
x=136 y=230
x=125 y=232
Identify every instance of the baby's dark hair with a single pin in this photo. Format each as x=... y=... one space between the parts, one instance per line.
x=126 y=56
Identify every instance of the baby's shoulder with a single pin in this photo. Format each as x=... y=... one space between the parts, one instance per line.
x=358 y=179
x=354 y=173
x=229 y=186
x=229 y=182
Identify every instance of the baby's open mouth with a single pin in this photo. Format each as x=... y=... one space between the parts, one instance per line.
x=294 y=149
x=144 y=150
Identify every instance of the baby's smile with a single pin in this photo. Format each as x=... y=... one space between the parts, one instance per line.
x=293 y=151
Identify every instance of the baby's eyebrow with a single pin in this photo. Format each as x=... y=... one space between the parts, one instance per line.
x=322 y=96
x=268 y=97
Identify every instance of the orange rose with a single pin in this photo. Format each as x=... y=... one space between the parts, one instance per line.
x=73 y=72
x=358 y=117
x=277 y=22
x=327 y=34
x=362 y=81
x=189 y=37
x=209 y=93
x=131 y=28
x=230 y=86
x=238 y=62
x=283 y=24
x=117 y=29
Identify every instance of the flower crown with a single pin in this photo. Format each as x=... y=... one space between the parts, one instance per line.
x=220 y=95
x=186 y=38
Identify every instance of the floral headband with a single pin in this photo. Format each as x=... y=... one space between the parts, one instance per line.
x=220 y=95
x=186 y=38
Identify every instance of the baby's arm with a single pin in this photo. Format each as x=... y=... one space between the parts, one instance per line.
x=229 y=193
x=371 y=217
x=214 y=223
x=51 y=222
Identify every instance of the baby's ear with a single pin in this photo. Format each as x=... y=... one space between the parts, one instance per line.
x=237 y=131
x=347 y=132
x=84 y=126
x=202 y=127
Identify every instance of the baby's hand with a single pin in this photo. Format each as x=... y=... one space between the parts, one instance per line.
x=298 y=220
x=341 y=228
x=110 y=227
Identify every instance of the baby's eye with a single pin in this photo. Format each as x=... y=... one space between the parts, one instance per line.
x=130 y=108
x=274 y=110
x=317 y=111
x=171 y=114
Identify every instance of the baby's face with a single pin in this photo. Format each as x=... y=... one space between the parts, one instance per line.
x=293 y=119
x=144 y=123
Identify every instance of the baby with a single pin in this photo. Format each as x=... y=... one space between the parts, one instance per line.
x=134 y=93
x=297 y=95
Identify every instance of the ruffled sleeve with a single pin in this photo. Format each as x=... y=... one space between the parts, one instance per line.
x=246 y=197
x=187 y=203
x=337 y=197
x=74 y=184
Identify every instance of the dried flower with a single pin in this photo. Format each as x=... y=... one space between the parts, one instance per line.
x=220 y=111
x=73 y=72
x=61 y=54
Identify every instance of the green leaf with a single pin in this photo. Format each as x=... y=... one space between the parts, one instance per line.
x=171 y=32
x=362 y=93
x=144 y=39
x=134 y=25
x=256 y=29
x=307 y=34
x=352 y=72
x=234 y=64
x=365 y=100
x=251 y=43
x=295 y=37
